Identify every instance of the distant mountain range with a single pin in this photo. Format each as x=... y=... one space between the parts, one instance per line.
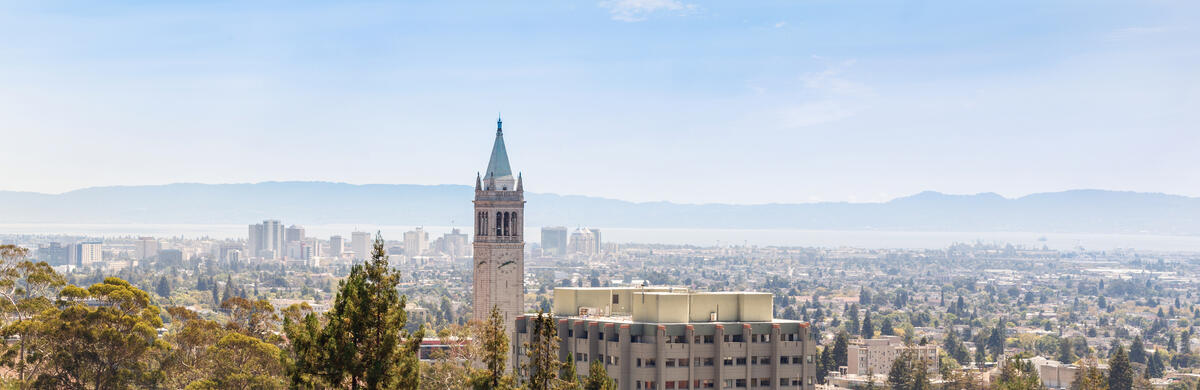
x=1080 y=211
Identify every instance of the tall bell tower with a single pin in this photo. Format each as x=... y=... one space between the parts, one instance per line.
x=499 y=238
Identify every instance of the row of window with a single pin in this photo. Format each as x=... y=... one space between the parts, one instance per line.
x=729 y=383
x=698 y=339
x=707 y=362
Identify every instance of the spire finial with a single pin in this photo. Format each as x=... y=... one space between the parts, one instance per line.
x=498 y=124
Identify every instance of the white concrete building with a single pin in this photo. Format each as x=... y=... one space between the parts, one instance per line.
x=875 y=356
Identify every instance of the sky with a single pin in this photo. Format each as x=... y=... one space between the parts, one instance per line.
x=644 y=100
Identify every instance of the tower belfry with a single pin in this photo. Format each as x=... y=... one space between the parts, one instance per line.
x=499 y=244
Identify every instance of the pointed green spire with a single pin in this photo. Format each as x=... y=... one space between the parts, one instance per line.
x=498 y=164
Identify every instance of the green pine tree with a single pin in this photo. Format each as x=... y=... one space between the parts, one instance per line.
x=868 y=329
x=363 y=343
x=1137 y=351
x=1156 y=365
x=1066 y=354
x=542 y=350
x=1018 y=374
x=841 y=349
x=887 y=329
x=495 y=355
x=598 y=378
x=1120 y=371
x=826 y=364
x=570 y=380
x=163 y=287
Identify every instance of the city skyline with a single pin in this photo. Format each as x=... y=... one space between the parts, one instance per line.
x=763 y=194
x=777 y=103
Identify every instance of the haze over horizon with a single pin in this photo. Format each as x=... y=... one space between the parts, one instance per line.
x=897 y=197
x=676 y=100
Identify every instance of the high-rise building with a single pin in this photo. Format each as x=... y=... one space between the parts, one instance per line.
x=596 y=236
x=361 y=244
x=146 y=247
x=454 y=243
x=554 y=240
x=230 y=253
x=170 y=256
x=499 y=249
x=583 y=242
x=87 y=254
x=671 y=338
x=294 y=250
x=54 y=254
x=266 y=240
x=337 y=246
x=293 y=234
x=416 y=242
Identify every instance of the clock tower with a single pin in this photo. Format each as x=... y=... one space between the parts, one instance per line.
x=499 y=246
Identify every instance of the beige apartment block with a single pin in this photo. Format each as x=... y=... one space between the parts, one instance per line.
x=659 y=338
x=875 y=356
x=1058 y=375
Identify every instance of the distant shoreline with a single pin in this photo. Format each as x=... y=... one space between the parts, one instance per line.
x=869 y=239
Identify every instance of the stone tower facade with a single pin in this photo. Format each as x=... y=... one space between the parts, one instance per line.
x=499 y=238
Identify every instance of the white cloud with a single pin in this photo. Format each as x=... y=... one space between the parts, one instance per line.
x=639 y=10
x=829 y=97
x=780 y=24
x=830 y=81
x=1128 y=33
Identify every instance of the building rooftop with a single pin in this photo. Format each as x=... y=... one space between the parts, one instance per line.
x=662 y=305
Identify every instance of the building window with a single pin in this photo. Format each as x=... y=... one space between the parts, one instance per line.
x=783 y=360
x=651 y=363
x=616 y=299
x=741 y=361
x=728 y=361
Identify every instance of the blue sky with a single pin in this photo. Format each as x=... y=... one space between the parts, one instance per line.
x=644 y=100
